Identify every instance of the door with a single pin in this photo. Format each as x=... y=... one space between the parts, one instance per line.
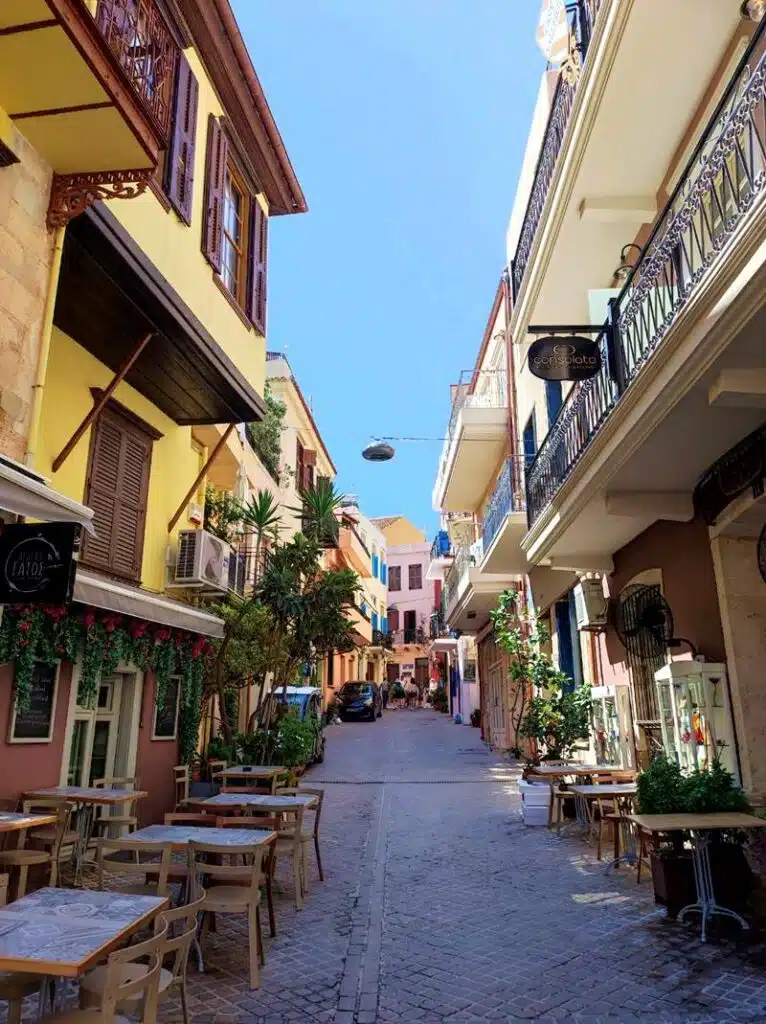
x=99 y=736
x=410 y=627
x=496 y=708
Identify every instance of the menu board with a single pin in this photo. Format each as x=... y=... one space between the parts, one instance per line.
x=36 y=723
x=165 y=717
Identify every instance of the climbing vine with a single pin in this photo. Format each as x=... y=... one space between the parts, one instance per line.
x=103 y=641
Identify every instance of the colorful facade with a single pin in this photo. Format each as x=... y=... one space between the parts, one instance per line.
x=142 y=350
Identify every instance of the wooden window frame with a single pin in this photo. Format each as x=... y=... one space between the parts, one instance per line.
x=163 y=738
x=414 y=566
x=234 y=175
x=395 y=573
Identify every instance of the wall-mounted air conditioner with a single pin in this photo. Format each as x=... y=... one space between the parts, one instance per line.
x=591 y=605
x=202 y=560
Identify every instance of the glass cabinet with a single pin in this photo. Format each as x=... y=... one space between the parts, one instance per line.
x=611 y=726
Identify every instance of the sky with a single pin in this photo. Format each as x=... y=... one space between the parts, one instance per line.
x=406 y=122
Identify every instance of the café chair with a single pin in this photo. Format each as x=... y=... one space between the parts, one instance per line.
x=310 y=836
x=22 y=858
x=261 y=822
x=145 y=866
x=181 y=782
x=125 y=816
x=15 y=987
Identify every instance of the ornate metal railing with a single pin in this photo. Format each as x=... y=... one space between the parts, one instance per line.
x=508 y=496
x=463 y=562
x=722 y=181
x=138 y=35
x=442 y=546
x=582 y=15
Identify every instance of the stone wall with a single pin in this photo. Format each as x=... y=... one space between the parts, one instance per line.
x=25 y=254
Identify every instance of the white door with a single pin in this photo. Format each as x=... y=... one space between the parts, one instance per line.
x=95 y=735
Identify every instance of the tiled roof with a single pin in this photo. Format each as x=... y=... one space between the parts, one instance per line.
x=385 y=521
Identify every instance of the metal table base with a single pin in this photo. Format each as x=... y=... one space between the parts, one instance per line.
x=706 y=904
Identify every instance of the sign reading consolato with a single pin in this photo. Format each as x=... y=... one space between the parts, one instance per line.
x=570 y=358
x=37 y=563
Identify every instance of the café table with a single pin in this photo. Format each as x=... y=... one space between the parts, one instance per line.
x=179 y=836
x=14 y=821
x=556 y=772
x=263 y=801
x=63 y=933
x=700 y=827
x=85 y=800
x=251 y=773
x=618 y=792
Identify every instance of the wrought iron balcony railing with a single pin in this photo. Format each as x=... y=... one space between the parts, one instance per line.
x=508 y=496
x=463 y=562
x=582 y=16
x=138 y=35
x=382 y=639
x=721 y=184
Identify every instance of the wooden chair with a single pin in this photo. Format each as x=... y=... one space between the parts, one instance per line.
x=225 y=892
x=214 y=766
x=249 y=790
x=145 y=861
x=289 y=844
x=180 y=928
x=190 y=818
x=310 y=835
x=126 y=816
x=141 y=988
x=181 y=781
x=23 y=859
x=260 y=822
x=14 y=988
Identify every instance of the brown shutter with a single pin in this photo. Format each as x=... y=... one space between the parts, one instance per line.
x=117 y=491
x=215 y=185
x=309 y=457
x=180 y=164
x=393 y=620
x=259 y=228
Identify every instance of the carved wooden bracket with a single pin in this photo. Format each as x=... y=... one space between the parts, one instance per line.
x=71 y=194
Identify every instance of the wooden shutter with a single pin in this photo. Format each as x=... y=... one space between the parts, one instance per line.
x=393 y=620
x=215 y=185
x=180 y=161
x=259 y=228
x=117 y=491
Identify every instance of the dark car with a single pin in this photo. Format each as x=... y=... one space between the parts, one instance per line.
x=360 y=700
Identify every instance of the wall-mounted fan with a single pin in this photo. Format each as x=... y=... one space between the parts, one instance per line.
x=762 y=554
x=644 y=622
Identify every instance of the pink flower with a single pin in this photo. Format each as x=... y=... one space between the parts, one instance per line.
x=199 y=648
x=90 y=619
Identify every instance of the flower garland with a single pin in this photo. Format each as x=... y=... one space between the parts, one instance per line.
x=105 y=640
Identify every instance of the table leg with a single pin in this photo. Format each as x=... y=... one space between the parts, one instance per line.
x=706 y=904
x=85 y=822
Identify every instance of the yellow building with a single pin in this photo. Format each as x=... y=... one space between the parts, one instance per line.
x=145 y=323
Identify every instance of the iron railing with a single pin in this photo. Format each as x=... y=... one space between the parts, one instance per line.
x=582 y=17
x=508 y=496
x=442 y=546
x=409 y=636
x=463 y=562
x=139 y=37
x=718 y=188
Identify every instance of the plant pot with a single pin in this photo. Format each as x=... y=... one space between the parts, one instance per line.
x=673 y=878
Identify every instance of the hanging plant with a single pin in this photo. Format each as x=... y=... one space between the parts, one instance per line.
x=191 y=656
x=163 y=663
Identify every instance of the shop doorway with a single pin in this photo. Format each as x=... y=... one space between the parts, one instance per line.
x=101 y=741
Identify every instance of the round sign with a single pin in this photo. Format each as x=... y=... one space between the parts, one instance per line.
x=564 y=358
x=29 y=565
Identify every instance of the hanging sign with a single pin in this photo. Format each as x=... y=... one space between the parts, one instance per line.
x=570 y=358
x=553 y=31
x=37 y=562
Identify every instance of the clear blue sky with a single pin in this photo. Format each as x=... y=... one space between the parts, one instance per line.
x=406 y=122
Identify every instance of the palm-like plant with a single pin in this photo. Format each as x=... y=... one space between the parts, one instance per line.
x=319 y=512
x=261 y=514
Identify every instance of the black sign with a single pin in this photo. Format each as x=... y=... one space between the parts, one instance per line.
x=564 y=358
x=36 y=722
x=165 y=717
x=37 y=563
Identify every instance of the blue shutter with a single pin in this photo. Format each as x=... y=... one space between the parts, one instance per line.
x=384 y=624
x=383 y=572
x=375 y=566
x=564 y=635
x=552 y=399
x=363 y=607
x=529 y=441
x=374 y=620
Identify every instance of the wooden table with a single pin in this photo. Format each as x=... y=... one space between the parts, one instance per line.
x=12 y=821
x=85 y=800
x=251 y=772
x=699 y=827
x=179 y=836
x=65 y=932
x=617 y=791
x=556 y=772
x=263 y=801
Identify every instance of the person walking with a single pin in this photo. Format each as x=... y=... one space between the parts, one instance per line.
x=384 y=693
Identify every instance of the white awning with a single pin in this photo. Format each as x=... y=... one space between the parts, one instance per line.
x=95 y=590
x=25 y=493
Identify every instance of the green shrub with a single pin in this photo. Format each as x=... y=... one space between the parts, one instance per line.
x=664 y=789
x=439 y=700
x=397 y=691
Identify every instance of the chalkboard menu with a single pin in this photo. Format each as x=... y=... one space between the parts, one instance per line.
x=165 y=717
x=36 y=723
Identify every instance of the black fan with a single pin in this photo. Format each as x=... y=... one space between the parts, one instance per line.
x=762 y=554
x=644 y=622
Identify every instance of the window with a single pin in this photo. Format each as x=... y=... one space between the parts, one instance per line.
x=395 y=577
x=410 y=627
x=166 y=717
x=117 y=490
x=383 y=573
x=375 y=562
x=552 y=399
x=305 y=461
x=35 y=725
x=529 y=441
x=416 y=577
x=374 y=620
x=235 y=234
x=393 y=620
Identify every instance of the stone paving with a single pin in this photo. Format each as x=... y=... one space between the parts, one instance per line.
x=440 y=906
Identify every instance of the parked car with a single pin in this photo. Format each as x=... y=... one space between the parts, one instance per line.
x=307 y=700
x=359 y=699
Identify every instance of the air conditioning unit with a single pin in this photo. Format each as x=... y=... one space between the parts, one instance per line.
x=202 y=560
x=591 y=606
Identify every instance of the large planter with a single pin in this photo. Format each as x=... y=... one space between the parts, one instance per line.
x=535 y=801
x=673 y=878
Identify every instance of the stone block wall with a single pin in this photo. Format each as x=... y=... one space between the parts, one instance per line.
x=26 y=247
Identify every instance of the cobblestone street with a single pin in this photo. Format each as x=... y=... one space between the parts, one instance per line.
x=440 y=906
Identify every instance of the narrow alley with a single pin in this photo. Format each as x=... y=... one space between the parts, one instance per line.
x=439 y=905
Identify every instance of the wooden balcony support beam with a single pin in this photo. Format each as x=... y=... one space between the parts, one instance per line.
x=200 y=477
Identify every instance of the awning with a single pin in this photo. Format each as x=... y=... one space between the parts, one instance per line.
x=99 y=592
x=25 y=493
x=444 y=643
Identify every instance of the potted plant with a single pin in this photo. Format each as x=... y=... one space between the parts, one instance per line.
x=476 y=718
x=664 y=789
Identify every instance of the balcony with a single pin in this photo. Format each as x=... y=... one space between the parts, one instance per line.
x=470 y=593
x=353 y=551
x=362 y=626
x=442 y=556
x=708 y=212
x=409 y=637
x=91 y=93
x=505 y=521
x=581 y=19
x=476 y=436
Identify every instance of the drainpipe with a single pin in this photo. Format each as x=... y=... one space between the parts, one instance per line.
x=43 y=355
